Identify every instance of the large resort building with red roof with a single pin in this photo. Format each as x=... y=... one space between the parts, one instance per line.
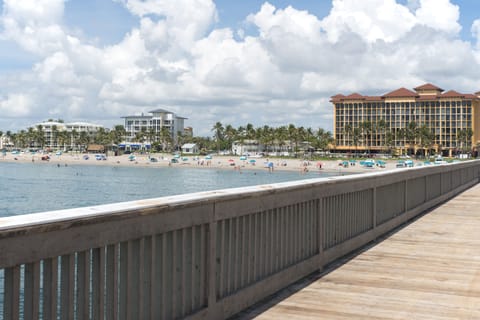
x=379 y=123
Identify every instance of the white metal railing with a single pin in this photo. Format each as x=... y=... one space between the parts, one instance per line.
x=204 y=255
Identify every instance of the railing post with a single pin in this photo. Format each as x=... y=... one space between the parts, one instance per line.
x=213 y=311
x=374 y=208
x=321 y=233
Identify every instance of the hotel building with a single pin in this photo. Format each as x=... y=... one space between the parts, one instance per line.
x=51 y=128
x=157 y=120
x=445 y=114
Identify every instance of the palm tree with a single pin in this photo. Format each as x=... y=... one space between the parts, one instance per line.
x=181 y=139
x=218 y=134
x=84 y=139
x=468 y=137
x=54 y=135
x=165 y=138
x=40 y=136
x=230 y=135
x=74 y=138
x=389 y=141
x=266 y=136
x=281 y=135
x=348 y=129
x=411 y=134
x=465 y=138
x=323 y=139
x=381 y=129
x=366 y=130
x=292 y=136
x=141 y=136
x=356 y=134
x=249 y=132
x=62 y=139
x=117 y=134
x=31 y=137
x=426 y=138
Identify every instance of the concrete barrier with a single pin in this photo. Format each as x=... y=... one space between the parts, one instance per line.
x=205 y=255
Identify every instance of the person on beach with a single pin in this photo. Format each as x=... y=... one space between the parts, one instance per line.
x=270 y=167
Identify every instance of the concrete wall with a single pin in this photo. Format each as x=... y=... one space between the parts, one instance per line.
x=204 y=255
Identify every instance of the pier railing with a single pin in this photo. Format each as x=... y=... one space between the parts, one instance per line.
x=205 y=255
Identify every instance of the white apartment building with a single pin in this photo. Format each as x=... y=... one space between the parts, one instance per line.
x=50 y=128
x=157 y=119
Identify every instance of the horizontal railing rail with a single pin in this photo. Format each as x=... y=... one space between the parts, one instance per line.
x=205 y=255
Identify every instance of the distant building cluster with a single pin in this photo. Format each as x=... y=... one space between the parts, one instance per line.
x=393 y=120
x=140 y=132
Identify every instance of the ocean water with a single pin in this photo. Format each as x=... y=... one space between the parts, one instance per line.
x=28 y=188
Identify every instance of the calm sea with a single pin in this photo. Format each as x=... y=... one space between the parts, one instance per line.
x=28 y=188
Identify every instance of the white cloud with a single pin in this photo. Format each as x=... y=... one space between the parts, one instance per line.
x=372 y=20
x=475 y=29
x=176 y=59
x=185 y=21
x=34 y=24
x=15 y=105
x=440 y=15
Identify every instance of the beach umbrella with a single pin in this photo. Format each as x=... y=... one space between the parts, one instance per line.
x=185 y=159
x=177 y=156
x=253 y=160
x=243 y=158
x=208 y=157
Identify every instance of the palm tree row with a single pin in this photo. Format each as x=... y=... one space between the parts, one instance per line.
x=409 y=138
x=271 y=138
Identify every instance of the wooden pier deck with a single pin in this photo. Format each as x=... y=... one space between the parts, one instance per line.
x=430 y=269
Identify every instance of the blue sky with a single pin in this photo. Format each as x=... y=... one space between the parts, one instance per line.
x=109 y=21
x=274 y=62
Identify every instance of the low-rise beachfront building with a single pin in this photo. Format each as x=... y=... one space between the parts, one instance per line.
x=245 y=147
x=190 y=148
x=142 y=130
x=53 y=133
x=5 y=142
x=254 y=147
x=426 y=119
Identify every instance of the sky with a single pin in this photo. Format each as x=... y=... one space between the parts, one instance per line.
x=266 y=63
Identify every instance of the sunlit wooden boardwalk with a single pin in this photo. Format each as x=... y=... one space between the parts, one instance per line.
x=429 y=269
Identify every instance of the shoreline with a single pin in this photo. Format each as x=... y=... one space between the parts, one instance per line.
x=217 y=162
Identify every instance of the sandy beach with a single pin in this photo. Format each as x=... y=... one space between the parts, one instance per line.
x=217 y=162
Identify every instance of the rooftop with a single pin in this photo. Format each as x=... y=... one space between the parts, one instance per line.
x=428 y=86
x=424 y=92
